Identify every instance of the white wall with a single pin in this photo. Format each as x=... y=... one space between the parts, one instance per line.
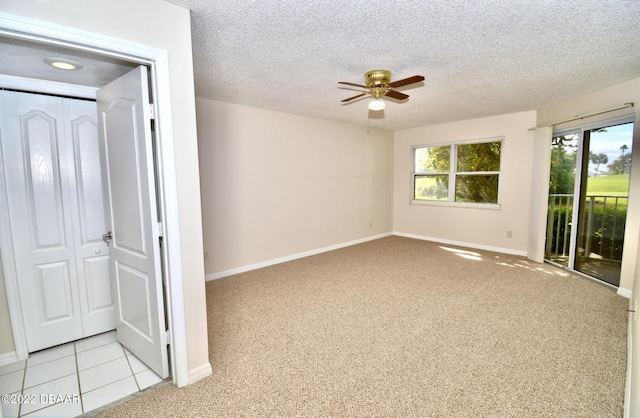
x=275 y=184
x=157 y=24
x=476 y=227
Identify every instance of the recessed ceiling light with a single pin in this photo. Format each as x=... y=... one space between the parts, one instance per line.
x=63 y=63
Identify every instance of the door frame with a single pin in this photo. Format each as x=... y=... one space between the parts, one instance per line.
x=158 y=62
x=580 y=130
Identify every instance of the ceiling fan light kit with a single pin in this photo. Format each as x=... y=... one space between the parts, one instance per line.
x=378 y=84
x=376 y=103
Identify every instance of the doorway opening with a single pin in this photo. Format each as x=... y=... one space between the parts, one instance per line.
x=67 y=89
x=588 y=198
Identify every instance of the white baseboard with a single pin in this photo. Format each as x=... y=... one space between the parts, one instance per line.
x=463 y=244
x=200 y=372
x=624 y=292
x=8 y=358
x=292 y=257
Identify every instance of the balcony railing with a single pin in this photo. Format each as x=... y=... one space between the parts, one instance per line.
x=602 y=232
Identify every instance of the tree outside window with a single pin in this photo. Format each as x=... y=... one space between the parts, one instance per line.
x=464 y=173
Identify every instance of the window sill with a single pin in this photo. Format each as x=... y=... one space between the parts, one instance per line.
x=494 y=206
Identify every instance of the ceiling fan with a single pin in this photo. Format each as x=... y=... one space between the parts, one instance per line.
x=378 y=84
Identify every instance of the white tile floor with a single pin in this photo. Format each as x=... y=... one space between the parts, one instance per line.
x=72 y=379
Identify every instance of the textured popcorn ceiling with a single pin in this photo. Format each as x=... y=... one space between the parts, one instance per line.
x=479 y=57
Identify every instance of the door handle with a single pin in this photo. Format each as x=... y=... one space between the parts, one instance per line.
x=107 y=237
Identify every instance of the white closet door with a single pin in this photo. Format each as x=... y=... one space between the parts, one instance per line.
x=40 y=211
x=85 y=182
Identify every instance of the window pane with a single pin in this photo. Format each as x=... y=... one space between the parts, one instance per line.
x=431 y=187
x=432 y=159
x=479 y=157
x=478 y=189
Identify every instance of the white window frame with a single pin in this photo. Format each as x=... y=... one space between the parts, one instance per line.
x=452 y=173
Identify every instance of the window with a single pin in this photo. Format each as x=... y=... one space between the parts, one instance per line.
x=464 y=173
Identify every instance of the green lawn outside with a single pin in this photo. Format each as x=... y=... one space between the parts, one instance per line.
x=616 y=185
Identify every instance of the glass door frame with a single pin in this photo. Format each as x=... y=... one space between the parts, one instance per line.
x=577 y=186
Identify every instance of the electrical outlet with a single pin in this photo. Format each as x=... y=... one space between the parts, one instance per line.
x=370 y=224
x=238 y=249
x=206 y=255
x=509 y=234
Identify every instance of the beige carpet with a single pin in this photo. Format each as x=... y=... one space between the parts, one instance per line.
x=405 y=328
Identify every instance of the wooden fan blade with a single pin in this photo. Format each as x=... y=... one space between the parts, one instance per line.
x=353 y=84
x=405 y=81
x=396 y=95
x=354 y=97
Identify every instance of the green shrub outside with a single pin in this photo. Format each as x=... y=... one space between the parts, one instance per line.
x=607 y=235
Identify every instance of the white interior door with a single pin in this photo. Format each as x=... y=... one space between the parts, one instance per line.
x=53 y=188
x=127 y=148
x=40 y=213
x=86 y=189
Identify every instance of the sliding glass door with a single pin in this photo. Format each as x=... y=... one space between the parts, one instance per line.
x=588 y=195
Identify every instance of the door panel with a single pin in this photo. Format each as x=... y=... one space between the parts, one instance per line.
x=127 y=149
x=39 y=141
x=133 y=286
x=561 y=197
x=54 y=292
x=125 y=178
x=98 y=286
x=40 y=214
x=92 y=255
x=602 y=209
x=89 y=181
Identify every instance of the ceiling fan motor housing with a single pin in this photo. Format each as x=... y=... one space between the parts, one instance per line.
x=378 y=82
x=377 y=78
